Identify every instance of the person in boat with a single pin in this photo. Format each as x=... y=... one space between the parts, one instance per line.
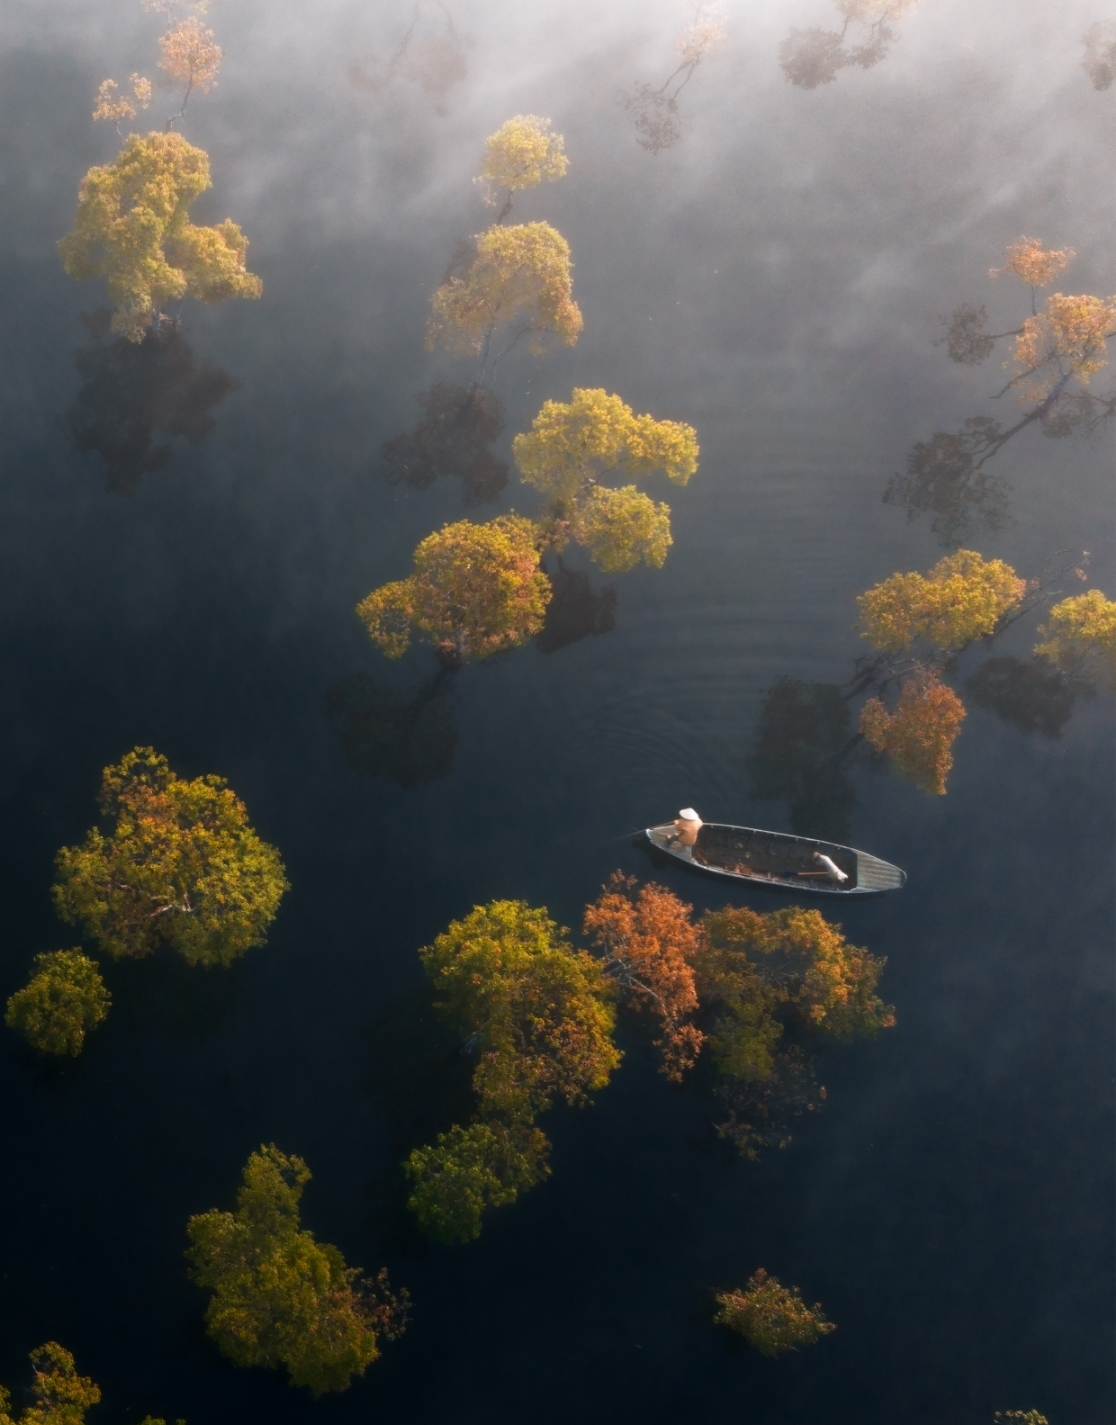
x=687 y=824
x=832 y=870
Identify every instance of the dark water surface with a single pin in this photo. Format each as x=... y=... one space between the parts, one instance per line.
x=776 y=280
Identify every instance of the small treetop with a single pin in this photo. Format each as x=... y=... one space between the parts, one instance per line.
x=190 y=55
x=620 y=528
x=113 y=107
x=61 y=1396
x=771 y=1317
x=522 y=153
x=595 y=434
x=477 y=589
x=1080 y=637
x=519 y=274
x=963 y=597
x=920 y=733
x=133 y=229
x=541 y=1010
x=469 y=1170
x=1036 y=265
x=65 y=998
x=1068 y=338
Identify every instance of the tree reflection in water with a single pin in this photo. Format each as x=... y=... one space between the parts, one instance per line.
x=576 y=610
x=1033 y=696
x=431 y=54
x=407 y=738
x=803 y=740
x=452 y=439
x=135 y=391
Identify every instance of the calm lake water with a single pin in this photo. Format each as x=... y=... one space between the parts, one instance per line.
x=776 y=279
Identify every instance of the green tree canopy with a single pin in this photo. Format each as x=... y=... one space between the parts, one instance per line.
x=963 y=597
x=771 y=1317
x=64 y=999
x=59 y=1395
x=281 y=1298
x=477 y=589
x=181 y=865
x=541 y=1012
x=133 y=229
x=519 y=274
x=487 y=1164
x=1080 y=637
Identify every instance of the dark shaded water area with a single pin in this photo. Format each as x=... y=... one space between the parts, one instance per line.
x=775 y=279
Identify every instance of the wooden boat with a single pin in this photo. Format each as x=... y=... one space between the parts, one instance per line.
x=777 y=860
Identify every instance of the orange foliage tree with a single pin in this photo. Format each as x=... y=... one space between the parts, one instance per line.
x=190 y=56
x=919 y=735
x=649 y=942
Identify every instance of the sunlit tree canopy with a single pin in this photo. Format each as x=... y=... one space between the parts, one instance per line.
x=621 y=528
x=963 y=597
x=114 y=105
x=1080 y=637
x=1068 y=338
x=62 y=1002
x=281 y=1298
x=133 y=229
x=180 y=865
x=190 y=55
x=477 y=589
x=59 y=1396
x=771 y=1317
x=519 y=275
x=522 y=153
x=1034 y=264
x=471 y=1169
x=919 y=735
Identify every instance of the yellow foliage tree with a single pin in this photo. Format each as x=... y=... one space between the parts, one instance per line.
x=60 y=1396
x=133 y=229
x=963 y=597
x=919 y=735
x=477 y=589
x=1034 y=264
x=572 y=447
x=519 y=275
x=521 y=154
x=113 y=107
x=64 y=999
x=1081 y=637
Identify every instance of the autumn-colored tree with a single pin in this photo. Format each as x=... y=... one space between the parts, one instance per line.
x=1024 y=1417
x=919 y=735
x=468 y=1170
x=113 y=104
x=654 y=111
x=539 y=1013
x=1099 y=62
x=63 y=1001
x=133 y=229
x=181 y=865
x=521 y=154
x=1080 y=638
x=573 y=447
x=477 y=589
x=963 y=597
x=771 y=1317
x=190 y=56
x=648 y=943
x=59 y=1395
x=281 y=1298
x=519 y=275
x=813 y=56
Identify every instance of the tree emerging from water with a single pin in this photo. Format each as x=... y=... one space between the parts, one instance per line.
x=522 y=153
x=64 y=999
x=771 y=1317
x=918 y=736
x=963 y=597
x=280 y=1297
x=59 y=1395
x=654 y=110
x=133 y=229
x=180 y=866
x=1080 y=638
x=813 y=56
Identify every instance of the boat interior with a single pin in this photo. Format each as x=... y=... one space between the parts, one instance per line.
x=764 y=855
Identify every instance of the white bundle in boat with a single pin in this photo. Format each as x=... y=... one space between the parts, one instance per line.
x=687 y=824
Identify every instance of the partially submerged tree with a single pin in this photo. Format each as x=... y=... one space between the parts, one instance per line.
x=59 y=1395
x=962 y=598
x=190 y=56
x=469 y=1170
x=771 y=1317
x=919 y=735
x=648 y=942
x=1080 y=638
x=133 y=229
x=181 y=865
x=519 y=275
x=477 y=589
x=114 y=104
x=62 y=1002
x=522 y=153
x=280 y=1297
x=813 y=56
x=573 y=447
x=654 y=111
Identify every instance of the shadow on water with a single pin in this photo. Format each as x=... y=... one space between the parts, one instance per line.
x=188 y=1002
x=452 y=439
x=404 y=736
x=802 y=742
x=422 y=1083
x=136 y=391
x=576 y=610
x=1032 y=696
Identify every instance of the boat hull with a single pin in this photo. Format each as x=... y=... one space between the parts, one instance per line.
x=778 y=861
